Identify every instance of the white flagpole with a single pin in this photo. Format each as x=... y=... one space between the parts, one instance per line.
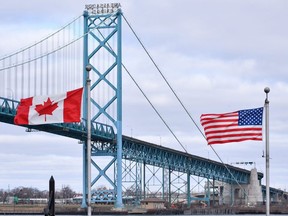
x=267 y=90
x=88 y=84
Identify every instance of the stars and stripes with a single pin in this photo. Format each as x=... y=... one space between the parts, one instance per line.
x=233 y=127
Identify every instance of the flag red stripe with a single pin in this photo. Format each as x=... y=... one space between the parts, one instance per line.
x=203 y=116
x=204 y=122
x=234 y=140
x=234 y=130
x=221 y=126
x=23 y=111
x=234 y=135
x=72 y=106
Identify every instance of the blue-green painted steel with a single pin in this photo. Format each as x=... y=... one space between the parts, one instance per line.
x=138 y=182
x=163 y=183
x=188 y=190
x=175 y=160
x=169 y=187
x=208 y=192
x=144 y=180
x=96 y=40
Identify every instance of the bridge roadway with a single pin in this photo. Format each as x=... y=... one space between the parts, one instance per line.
x=103 y=137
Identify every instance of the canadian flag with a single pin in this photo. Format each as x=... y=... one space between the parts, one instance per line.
x=59 y=108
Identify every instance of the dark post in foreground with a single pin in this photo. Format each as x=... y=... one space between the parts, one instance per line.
x=50 y=210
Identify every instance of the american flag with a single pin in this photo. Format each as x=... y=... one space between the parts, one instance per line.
x=233 y=127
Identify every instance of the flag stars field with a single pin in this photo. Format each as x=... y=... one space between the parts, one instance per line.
x=251 y=117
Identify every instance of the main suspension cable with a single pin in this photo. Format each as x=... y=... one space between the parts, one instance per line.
x=143 y=93
x=154 y=108
x=166 y=81
x=181 y=103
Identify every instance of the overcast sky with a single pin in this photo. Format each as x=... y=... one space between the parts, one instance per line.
x=218 y=55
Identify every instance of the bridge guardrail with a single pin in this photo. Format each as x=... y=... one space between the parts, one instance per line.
x=8 y=109
x=8 y=106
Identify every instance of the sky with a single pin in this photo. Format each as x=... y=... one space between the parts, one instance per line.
x=218 y=56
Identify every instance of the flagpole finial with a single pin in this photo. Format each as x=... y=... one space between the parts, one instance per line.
x=266 y=90
x=88 y=68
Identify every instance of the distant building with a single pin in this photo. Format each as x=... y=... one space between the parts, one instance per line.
x=16 y=200
x=153 y=203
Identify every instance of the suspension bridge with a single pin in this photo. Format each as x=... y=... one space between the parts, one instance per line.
x=57 y=64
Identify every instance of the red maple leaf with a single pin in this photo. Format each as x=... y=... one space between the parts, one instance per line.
x=47 y=108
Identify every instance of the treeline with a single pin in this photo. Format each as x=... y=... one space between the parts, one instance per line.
x=30 y=192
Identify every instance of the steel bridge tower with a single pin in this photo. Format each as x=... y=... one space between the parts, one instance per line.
x=102 y=27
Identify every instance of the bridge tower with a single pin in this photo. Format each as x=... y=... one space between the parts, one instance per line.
x=102 y=51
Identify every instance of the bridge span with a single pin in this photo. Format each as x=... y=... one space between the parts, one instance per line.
x=135 y=149
x=142 y=152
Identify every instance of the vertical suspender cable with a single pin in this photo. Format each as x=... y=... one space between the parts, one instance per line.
x=68 y=59
x=3 y=81
x=29 y=74
x=55 y=72
x=35 y=68
x=9 y=75
x=73 y=57
x=58 y=64
x=47 y=68
x=104 y=88
x=52 y=71
x=66 y=64
x=22 y=76
x=63 y=63
x=15 y=89
x=41 y=70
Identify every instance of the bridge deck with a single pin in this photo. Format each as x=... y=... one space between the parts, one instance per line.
x=100 y=132
x=134 y=149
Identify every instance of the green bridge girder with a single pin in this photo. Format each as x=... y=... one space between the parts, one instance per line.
x=148 y=153
x=136 y=150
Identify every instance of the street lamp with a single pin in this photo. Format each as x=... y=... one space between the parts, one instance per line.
x=88 y=86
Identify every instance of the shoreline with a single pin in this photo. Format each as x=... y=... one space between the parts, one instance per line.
x=69 y=209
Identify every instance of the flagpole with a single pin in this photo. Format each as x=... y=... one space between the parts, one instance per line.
x=88 y=85
x=267 y=90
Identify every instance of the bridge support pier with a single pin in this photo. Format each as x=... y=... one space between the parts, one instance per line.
x=188 y=191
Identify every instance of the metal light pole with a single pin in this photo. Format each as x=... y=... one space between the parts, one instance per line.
x=267 y=90
x=88 y=85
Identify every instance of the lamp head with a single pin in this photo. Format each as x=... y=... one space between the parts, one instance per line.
x=266 y=90
x=88 y=68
